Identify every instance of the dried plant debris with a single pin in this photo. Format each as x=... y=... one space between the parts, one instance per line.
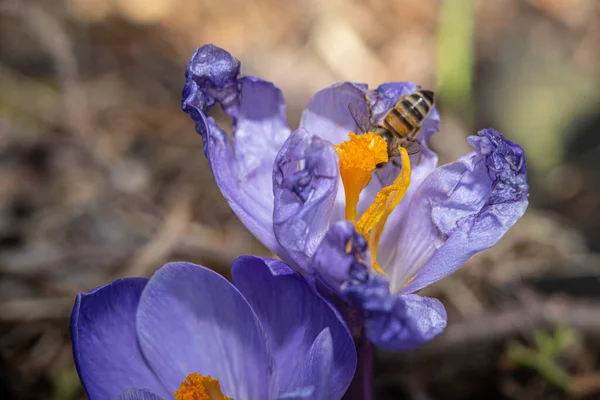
x=102 y=175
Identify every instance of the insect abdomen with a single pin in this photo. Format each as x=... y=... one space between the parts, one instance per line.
x=397 y=122
x=409 y=112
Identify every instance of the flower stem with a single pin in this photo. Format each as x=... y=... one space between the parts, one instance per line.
x=361 y=387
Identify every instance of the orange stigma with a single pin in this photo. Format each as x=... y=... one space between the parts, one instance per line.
x=200 y=387
x=359 y=157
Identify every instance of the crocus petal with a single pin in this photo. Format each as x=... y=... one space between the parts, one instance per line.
x=138 y=394
x=190 y=319
x=292 y=326
x=395 y=322
x=313 y=378
x=461 y=208
x=305 y=180
x=327 y=114
x=105 y=348
x=244 y=172
x=338 y=254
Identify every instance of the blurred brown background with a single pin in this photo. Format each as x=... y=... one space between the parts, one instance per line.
x=102 y=176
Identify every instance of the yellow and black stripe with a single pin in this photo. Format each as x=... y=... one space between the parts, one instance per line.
x=408 y=113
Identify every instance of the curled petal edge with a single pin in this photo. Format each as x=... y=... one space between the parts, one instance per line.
x=242 y=167
x=396 y=322
x=391 y=321
x=305 y=181
x=464 y=229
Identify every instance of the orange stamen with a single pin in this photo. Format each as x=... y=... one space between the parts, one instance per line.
x=200 y=387
x=372 y=222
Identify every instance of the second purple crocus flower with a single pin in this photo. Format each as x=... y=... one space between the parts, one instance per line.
x=291 y=190
x=187 y=333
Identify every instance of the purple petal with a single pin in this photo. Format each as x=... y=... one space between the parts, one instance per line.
x=211 y=76
x=293 y=316
x=336 y=261
x=395 y=322
x=332 y=260
x=327 y=114
x=190 y=319
x=138 y=394
x=462 y=208
x=312 y=380
x=105 y=346
x=306 y=180
x=244 y=171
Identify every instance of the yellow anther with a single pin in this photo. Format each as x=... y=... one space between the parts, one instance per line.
x=359 y=157
x=372 y=221
x=200 y=387
x=349 y=244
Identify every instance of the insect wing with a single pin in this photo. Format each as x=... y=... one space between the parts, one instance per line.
x=386 y=172
x=362 y=121
x=412 y=148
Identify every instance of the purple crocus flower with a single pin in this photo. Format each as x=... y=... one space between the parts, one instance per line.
x=301 y=193
x=188 y=331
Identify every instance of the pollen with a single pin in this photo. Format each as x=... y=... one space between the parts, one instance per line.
x=359 y=157
x=372 y=221
x=200 y=387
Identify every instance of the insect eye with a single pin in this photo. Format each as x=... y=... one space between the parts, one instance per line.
x=386 y=136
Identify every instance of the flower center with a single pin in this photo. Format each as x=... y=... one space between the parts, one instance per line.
x=359 y=157
x=200 y=387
